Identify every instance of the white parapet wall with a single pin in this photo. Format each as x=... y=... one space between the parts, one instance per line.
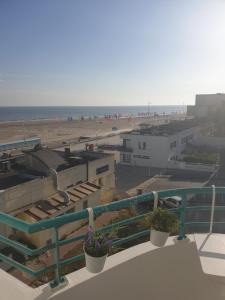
x=182 y=165
x=141 y=272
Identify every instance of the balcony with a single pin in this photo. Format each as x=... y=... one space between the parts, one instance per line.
x=190 y=266
x=125 y=149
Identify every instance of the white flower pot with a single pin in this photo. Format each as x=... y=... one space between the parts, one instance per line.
x=95 y=264
x=158 y=238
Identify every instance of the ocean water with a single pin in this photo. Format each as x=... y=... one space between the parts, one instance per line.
x=63 y=112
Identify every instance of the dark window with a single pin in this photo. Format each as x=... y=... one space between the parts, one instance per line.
x=102 y=169
x=173 y=145
x=126 y=157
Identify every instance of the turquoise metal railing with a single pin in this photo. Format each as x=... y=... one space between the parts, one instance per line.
x=55 y=223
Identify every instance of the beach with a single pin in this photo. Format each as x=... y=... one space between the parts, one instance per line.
x=57 y=132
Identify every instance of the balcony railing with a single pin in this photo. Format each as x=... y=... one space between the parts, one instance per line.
x=55 y=223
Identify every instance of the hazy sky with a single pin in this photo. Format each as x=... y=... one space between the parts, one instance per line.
x=110 y=52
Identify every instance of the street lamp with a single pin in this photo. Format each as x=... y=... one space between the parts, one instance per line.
x=149 y=107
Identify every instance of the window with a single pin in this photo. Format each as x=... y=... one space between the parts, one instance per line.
x=141 y=156
x=126 y=157
x=183 y=140
x=173 y=145
x=102 y=169
x=142 y=145
x=100 y=182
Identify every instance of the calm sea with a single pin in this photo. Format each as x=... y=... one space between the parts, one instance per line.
x=63 y=112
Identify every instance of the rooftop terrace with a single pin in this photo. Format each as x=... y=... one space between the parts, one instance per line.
x=167 y=129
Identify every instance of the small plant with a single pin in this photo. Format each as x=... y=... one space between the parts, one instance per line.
x=163 y=220
x=97 y=244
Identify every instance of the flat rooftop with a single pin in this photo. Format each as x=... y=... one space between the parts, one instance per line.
x=59 y=160
x=171 y=181
x=13 y=178
x=167 y=129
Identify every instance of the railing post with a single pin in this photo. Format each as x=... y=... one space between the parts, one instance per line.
x=212 y=208
x=58 y=279
x=182 y=211
x=156 y=199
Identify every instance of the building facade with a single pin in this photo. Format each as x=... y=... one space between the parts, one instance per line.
x=158 y=146
x=206 y=105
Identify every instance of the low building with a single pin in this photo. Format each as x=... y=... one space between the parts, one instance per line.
x=44 y=183
x=158 y=146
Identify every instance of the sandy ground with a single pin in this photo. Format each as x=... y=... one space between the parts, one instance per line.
x=54 y=130
x=58 y=131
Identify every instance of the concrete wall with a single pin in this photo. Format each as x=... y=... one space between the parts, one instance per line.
x=104 y=179
x=209 y=99
x=72 y=176
x=206 y=104
x=26 y=193
x=211 y=141
x=155 y=153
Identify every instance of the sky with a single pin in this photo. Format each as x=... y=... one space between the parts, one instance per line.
x=110 y=52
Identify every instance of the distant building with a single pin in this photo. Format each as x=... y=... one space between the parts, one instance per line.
x=20 y=144
x=206 y=104
x=44 y=183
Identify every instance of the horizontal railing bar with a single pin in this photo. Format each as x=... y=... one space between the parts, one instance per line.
x=115 y=243
x=122 y=223
x=14 y=222
x=203 y=222
x=132 y=237
x=206 y=207
x=71 y=239
x=71 y=259
x=23 y=248
x=104 y=229
x=23 y=268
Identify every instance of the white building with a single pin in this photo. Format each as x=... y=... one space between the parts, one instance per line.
x=158 y=146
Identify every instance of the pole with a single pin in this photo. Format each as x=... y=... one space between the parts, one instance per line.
x=212 y=208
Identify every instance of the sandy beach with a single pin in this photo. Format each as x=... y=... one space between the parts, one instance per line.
x=56 y=132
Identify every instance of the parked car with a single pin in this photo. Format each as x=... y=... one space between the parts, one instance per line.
x=171 y=202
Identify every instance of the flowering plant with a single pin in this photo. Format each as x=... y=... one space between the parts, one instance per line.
x=96 y=243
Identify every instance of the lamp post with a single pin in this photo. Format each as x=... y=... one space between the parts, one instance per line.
x=149 y=107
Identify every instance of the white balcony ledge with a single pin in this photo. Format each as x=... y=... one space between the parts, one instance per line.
x=142 y=272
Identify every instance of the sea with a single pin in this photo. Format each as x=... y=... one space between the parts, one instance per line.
x=26 y=113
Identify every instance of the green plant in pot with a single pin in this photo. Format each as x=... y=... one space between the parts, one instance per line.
x=96 y=246
x=162 y=223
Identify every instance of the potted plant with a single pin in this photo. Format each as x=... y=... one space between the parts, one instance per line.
x=96 y=248
x=162 y=223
